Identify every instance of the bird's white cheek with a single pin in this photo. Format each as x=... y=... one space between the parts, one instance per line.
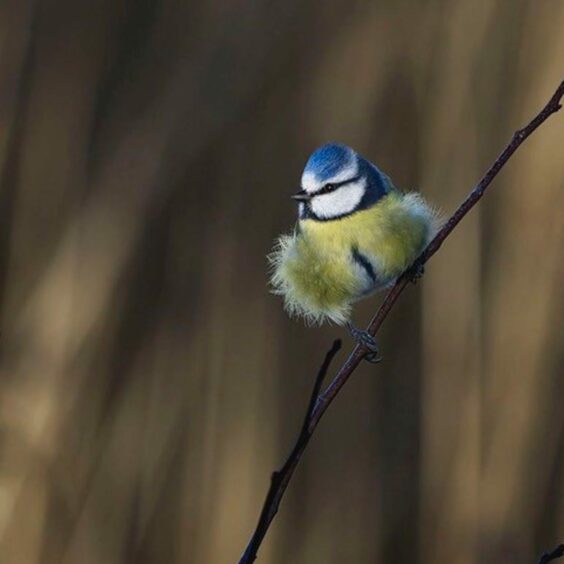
x=341 y=202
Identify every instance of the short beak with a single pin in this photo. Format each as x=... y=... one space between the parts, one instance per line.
x=302 y=196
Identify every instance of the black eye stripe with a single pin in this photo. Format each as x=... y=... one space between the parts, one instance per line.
x=332 y=186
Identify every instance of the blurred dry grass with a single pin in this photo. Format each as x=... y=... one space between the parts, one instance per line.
x=148 y=381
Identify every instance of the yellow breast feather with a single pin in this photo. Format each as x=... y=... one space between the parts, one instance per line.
x=325 y=266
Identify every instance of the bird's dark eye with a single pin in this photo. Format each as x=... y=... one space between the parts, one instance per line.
x=332 y=186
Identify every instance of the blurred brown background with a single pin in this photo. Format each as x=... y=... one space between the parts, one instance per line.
x=149 y=383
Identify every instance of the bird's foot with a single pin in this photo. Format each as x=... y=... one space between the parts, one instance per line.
x=416 y=272
x=367 y=342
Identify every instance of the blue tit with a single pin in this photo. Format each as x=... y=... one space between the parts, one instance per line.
x=356 y=234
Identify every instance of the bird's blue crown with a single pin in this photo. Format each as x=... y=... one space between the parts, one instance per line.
x=328 y=160
x=335 y=162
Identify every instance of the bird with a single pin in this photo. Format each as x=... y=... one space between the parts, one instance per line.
x=356 y=233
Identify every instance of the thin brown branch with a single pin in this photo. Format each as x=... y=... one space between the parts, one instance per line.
x=280 y=479
x=558 y=552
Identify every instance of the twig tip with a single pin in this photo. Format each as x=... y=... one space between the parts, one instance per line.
x=553 y=555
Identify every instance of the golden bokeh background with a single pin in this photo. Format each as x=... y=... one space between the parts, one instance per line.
x=149 y=383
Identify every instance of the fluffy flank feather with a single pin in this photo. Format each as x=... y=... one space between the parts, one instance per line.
x=430 y=216
x=313 y=286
